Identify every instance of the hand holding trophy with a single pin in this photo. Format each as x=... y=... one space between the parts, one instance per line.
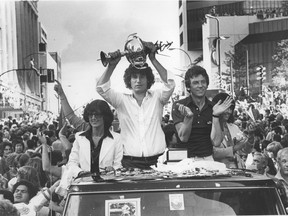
x=135 y=51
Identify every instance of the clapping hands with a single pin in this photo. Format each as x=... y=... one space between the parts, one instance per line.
x=220 y=106
x=184 y=110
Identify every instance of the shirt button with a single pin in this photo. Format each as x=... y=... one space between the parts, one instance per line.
x=198 y=122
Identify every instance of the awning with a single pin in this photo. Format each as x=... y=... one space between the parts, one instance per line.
x=267 y=36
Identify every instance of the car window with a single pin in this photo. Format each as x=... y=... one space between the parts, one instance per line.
x=201 y=202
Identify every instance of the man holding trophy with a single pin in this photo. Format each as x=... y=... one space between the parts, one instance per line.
x=139 y=112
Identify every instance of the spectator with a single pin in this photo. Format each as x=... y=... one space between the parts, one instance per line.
x=7 y=195
x=273 y=149
x=22 y=159
x=23 y=191
x=12 y=164
x=31 y=146
x=7 y=149
x=284 y=140
x=26 y=173
x=25 y=138
x=234 y=145
x=36 y=163
x=170 y=135
x=7 y=208
x=78 y=123
x=282 y=174
x=260 y=162
x=18 y=146
x=28 y=199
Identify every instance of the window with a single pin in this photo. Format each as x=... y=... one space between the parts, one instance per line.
x=241 y=201
x=180 y=20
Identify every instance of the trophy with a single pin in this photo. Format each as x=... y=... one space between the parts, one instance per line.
x=135 y=51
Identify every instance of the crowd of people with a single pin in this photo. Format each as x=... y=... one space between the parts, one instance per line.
x=39 y=160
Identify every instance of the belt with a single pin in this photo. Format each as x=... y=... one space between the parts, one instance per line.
x=194 y=156
x=155 y=157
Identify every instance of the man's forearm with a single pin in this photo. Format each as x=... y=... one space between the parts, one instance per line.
x=160 y=69
x=106 y=75
x=184 y=130
x=216 y=132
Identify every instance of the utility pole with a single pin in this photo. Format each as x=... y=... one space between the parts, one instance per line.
x=261 y=75
x=247 y=70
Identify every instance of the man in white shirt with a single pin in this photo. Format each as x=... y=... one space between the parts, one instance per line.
x=139 y=112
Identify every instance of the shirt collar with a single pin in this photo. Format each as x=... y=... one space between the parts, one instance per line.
x=88 y=133
x=148 y=93
x=191 y=101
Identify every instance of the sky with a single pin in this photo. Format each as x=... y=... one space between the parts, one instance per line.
x=80 y=30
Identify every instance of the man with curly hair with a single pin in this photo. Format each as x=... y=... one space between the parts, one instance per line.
x=139 y=112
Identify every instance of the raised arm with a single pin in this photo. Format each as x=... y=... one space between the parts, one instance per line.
x=152 y=56
x=115 y=58
x=62 y=136
x=46 y=164
x=218 y=109
x=68 y=112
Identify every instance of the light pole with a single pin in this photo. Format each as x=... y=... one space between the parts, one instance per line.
x=184 y=52
x=218 y=41
x=37 y=87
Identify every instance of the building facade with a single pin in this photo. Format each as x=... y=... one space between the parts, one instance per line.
x=23 y=57
x=245 y=25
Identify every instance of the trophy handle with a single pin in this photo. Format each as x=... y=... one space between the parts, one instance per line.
x=134 y=46
x=105 y=59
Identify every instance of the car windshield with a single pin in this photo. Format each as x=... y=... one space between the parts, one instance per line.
x=243 y=201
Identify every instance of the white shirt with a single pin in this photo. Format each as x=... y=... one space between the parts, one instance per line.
x=141 y=132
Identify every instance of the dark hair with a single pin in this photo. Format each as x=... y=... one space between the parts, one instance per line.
x=18 y=141
x=31 y=144
x=7 y=208
x=6 y=143
x=56 y=157
x=7 y=195
x=284 y=141
x=30 y=174
x=278 y=130
x=195 y=71
x=277 y=138
x=25 y=136
x=222 y=96
x=11 y=159
x=36 y=163
x=32 y=190
x=169 y=131
x=22 y=159
x=265 y=143
x=101 y=107
x=131 y=70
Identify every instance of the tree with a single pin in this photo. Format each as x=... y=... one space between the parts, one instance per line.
x=280 y=63
x=238 y=57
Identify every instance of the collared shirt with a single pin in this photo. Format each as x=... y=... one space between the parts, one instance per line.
x=141 y=132
x=95 y=151
x=199 y=143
